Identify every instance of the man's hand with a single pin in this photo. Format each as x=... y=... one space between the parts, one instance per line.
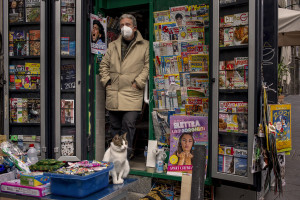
x=134 y=85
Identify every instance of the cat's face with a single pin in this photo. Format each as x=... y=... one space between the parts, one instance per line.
x=119 y=143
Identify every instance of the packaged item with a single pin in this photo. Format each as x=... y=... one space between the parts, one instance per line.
x=15 y=187
x=34 y=179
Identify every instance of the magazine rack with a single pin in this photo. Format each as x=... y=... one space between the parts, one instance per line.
x=24 y=68
x=235 y=89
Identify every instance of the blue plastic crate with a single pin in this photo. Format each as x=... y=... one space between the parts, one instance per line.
x=79 y=186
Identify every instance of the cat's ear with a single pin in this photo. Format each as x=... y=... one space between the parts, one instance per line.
x=116 y=137
x=124 y=135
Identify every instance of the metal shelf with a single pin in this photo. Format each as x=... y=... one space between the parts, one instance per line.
x=233 y=134
x=234 y=47
x=235 y=4
x=68 y=57
x=208 y=181
x=68 y=125
x=24 y=23
x=23 y=91
x=24 y=57
x=233 y=90
x=24 y=124
x=68 y=91
x=68 y=23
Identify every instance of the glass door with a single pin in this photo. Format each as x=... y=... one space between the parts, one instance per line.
x=234 y=72
x=24 y=68
x=67 y=80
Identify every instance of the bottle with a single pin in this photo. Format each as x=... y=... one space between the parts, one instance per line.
x=32 y=154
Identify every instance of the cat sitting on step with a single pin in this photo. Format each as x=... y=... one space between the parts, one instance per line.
x=117 y=154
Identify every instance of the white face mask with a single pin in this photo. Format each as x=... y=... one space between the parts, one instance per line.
x=126 y=32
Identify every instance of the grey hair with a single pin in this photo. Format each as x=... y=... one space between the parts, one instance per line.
x=129 y=16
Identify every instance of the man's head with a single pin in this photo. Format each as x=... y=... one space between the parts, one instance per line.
x=178 y=18
x=97 y=32
x=128 y=26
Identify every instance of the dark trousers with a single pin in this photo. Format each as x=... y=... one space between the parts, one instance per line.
x=122 y=122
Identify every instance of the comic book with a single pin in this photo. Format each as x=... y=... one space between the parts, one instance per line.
x=178 y=15
x=280 y=117
x=161 y=16
x=67 y=145
x=68 y=77
x=16 y=11
x=193 y=129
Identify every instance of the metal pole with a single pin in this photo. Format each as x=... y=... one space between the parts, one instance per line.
x=199 y=160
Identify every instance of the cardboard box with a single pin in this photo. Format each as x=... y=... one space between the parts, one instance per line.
x=34 y=179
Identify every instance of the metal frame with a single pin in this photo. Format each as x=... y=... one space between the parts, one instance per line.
x=251 y=94
x=57 y=149
x=5 y=68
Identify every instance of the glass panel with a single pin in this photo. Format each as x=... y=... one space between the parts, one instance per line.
x=24 y=73
x=68 y=77
x=233 y=89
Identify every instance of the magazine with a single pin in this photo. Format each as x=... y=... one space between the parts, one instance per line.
x=68 y=77
x=34 y=110
x=16 y=11
x=161 y=16
x=67 y=145
x=178 y=15
x=34 y=48
x=34 y=34
x=65 y=45
x=280 y=117
x=67 y=111
x=32 y=14
x=185 y=132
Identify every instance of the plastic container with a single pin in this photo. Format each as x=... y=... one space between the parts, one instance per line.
x=79 y=186
x=32 y=154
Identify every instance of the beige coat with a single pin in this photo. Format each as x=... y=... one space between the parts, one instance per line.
x=120 y=95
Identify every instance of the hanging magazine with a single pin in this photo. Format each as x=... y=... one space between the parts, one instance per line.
x=280 y=117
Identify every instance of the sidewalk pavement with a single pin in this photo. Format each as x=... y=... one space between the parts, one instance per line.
x=291 y=191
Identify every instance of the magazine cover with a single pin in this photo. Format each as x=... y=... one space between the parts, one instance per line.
x=240 y=35
x=68 y=77
x=280 y=117
x=65 y=45
x=67 y=145
x=34 y=34
x=34 y=48
x=166 y=30
x=182 y=35
x=16 y=11
x=185 y=132
x=33 y=14
x=34 y=110
x=98 y=34
x=177 y=14
x=161 y=16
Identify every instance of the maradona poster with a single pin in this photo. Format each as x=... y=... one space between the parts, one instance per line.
x=280 y=117
x=98 y=34
x=185 y=133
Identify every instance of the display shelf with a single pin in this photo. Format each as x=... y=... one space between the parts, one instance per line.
x=24 y=57
x=24 y=23
x=23 y=91
x=233 y=133
x=233 y=90
x=68 y=125
x=234 y=47
x=233 y=113
x=162 y=176
x=68 y=23
x=202 y=72
x=24 y=124
x=68 y=91
x=235 y=4
x=68 y=57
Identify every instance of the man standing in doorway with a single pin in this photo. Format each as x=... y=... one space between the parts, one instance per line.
x=124 y=71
